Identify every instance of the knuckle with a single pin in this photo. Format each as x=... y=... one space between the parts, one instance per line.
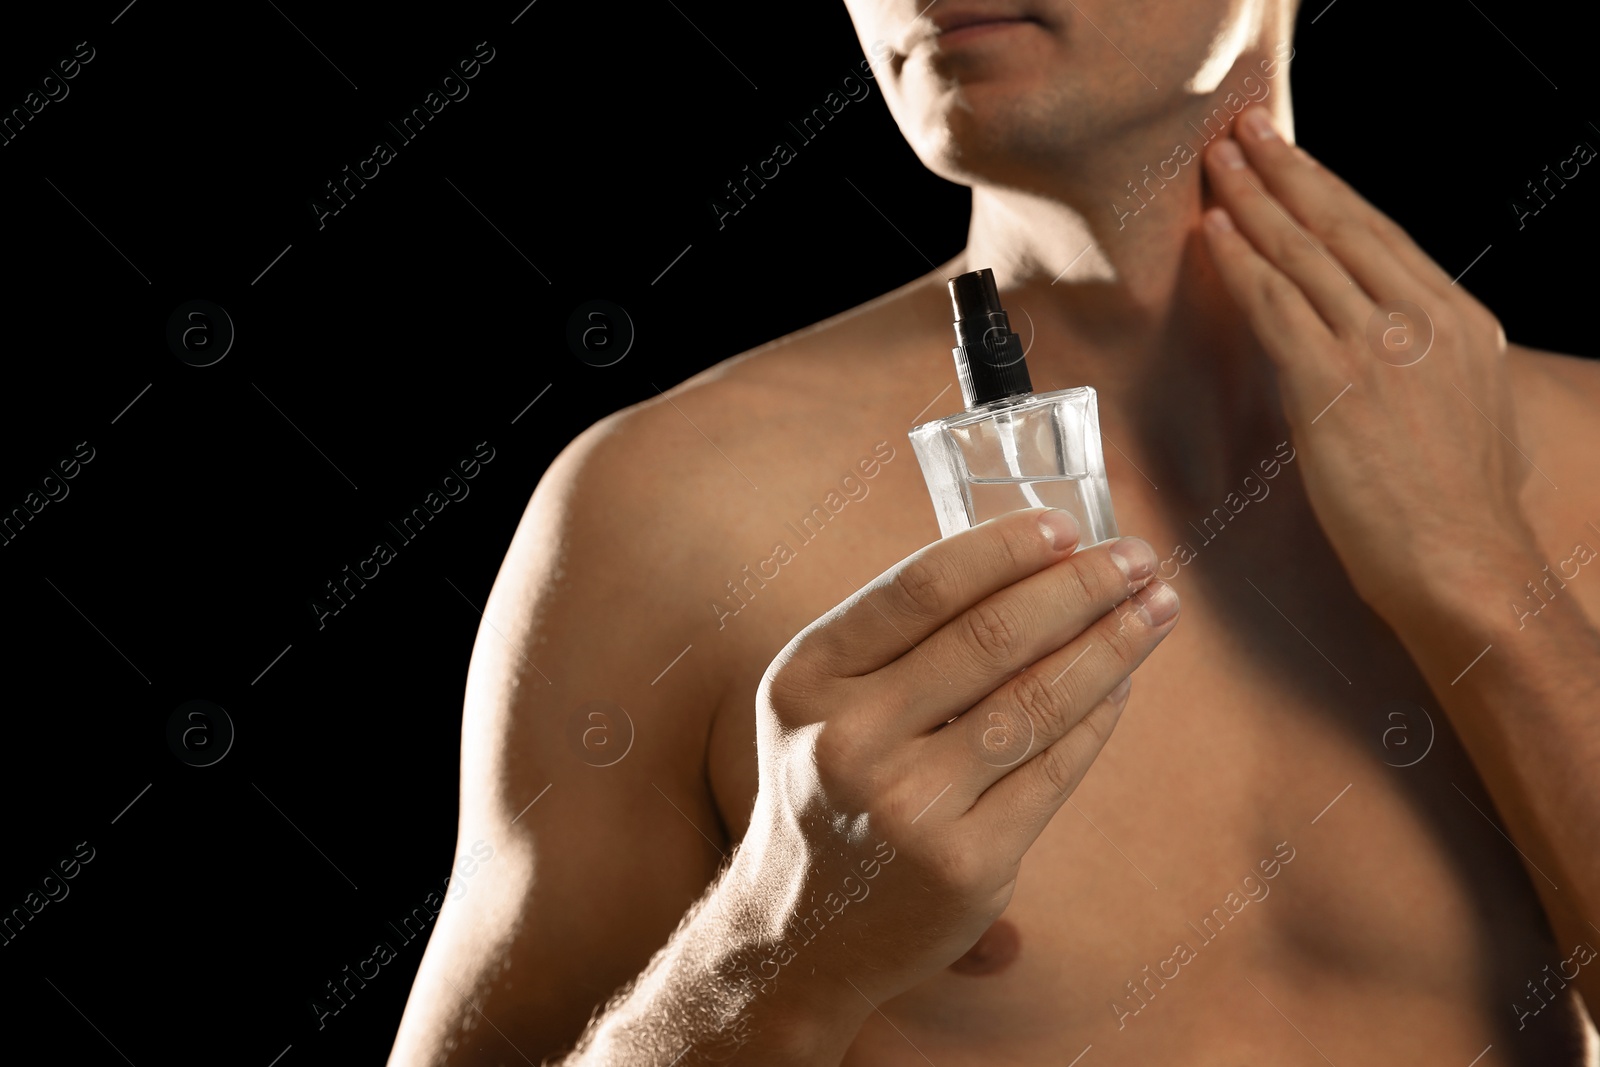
x=907 y=808
x=1125 y=633
x=1098 y=724
x=923 y=587
x=795 y=682
x=1340 y=231
x=1300 y=257
x=776 y=694
x=1130 y=632
x=812 y=645
x=780 y=687
x=1386 y=229
x=1381 y=227
x=1059 y=766
x=1066 y=761
x=1043 y=702
x=834 y=753
x=1278 y=291
x=957 y=868
x=1084 y=582
x=993 y=632
x=1496 y=332
x=1484 y=323
x=1020 y=539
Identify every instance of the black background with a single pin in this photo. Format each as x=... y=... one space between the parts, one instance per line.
x=380 y=349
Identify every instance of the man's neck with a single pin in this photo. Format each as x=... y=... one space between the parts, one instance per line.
x=1111 y=275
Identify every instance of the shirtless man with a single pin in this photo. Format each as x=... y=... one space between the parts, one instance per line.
x=735 y=750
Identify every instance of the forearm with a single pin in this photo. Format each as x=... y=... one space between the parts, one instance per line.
x=1528 y=713
x=715 y=994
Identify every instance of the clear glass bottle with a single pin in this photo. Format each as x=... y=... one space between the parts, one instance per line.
x=1012 y=448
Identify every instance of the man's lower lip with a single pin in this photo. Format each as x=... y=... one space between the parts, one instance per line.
x=977 y=30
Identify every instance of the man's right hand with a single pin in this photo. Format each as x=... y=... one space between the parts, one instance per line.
x=915 y=740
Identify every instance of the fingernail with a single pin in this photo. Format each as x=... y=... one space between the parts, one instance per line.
x=1258 y=124
x=1218 y=220
x=1120 y=693
x=1135 y=558
x=1060 y=528
x=1229 y=153
x=1157 y=603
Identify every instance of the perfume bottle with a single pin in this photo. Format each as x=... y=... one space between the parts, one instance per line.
x=1011 y=448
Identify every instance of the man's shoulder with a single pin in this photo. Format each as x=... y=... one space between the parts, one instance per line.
x=856 y=356
x=1558 y=429
x=1581 y=370
x=722 y=428
x=699 y=462
x=1558 y=388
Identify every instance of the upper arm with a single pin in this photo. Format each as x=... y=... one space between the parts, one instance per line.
x=561 y=713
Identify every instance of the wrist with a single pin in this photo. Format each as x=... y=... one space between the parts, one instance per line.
x=830 y=1013
x=1475 y=587
x=808 y=1023
x=788 y=1002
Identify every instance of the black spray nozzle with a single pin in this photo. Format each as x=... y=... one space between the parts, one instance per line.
x=989 y=359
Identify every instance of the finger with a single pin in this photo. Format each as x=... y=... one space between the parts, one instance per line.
x=1016 y=809
x=1278 y=311
x=973 y=654
x=1381 y=256
x=891 y=614
x=1343 y=305
x=1024 y=771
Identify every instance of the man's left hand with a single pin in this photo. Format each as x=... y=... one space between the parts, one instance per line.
x=1393 y=379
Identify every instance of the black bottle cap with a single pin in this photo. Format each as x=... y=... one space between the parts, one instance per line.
x=988 y=354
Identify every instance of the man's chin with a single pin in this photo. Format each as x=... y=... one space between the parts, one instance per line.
x=972 y=161
x=986 y=133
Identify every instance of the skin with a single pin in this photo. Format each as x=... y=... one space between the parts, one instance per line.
x=1408 y=878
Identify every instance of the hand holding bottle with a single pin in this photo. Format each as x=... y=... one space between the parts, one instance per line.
x=940 y=717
